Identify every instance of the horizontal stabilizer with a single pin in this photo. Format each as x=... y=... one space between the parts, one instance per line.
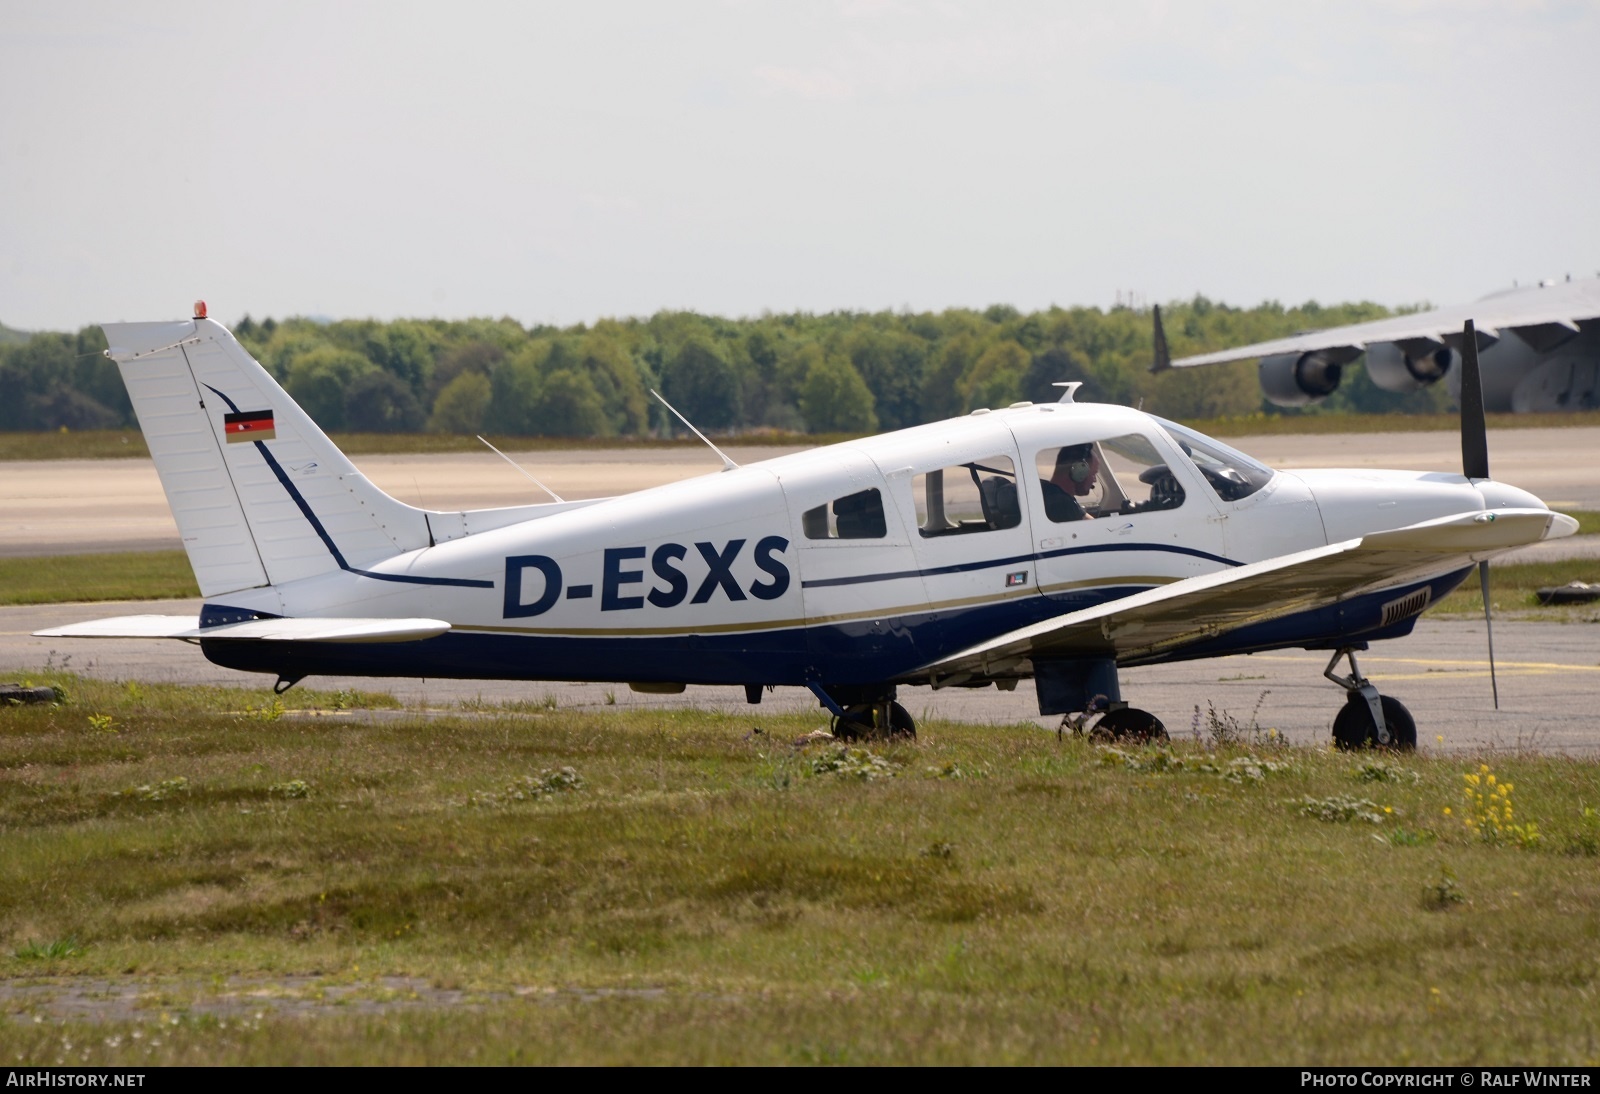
x=255 y=630
x=1200 y=608
x=127 y=626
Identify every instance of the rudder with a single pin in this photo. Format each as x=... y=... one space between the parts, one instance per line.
x=261 y=496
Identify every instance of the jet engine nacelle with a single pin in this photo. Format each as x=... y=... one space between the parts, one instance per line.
x=1299 y=379
x=1398 y=369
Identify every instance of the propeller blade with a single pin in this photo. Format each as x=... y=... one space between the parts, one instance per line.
x=1488 y=627
x=1474 y=433
x=1475 y=464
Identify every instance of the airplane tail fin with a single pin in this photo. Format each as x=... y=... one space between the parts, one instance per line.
x=260 y=494
x=1163 y=356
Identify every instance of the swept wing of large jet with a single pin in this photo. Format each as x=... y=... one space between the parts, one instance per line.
x=1539 y=347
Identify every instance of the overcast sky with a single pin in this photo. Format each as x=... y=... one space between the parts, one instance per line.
x=566 y=161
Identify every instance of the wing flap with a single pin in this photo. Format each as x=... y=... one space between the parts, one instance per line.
x=1203 y=607
x=256 y=630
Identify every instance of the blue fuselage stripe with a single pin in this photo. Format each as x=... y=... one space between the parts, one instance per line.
x=327 y=540
x=1039 y=556
x=860 y=652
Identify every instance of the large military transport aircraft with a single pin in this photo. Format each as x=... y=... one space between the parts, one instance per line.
x=1056 y=542
x=1540 y=348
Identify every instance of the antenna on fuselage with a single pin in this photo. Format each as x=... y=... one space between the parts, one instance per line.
x=727 y=464
x=1069 y=389
x=519 y=467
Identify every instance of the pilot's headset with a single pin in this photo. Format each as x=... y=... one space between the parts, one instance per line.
x=1078 y=469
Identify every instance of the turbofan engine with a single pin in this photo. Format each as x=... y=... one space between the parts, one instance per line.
x=1300 y=379
x=1409 y=367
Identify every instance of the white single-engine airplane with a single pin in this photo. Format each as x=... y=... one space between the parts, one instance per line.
x=1057 y=541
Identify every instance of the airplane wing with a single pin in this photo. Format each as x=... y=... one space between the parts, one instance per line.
x=1198 y=608
x=259 y=630
x=1542 y=315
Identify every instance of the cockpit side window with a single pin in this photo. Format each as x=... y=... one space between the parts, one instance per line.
x=854 y=516
x=979 y=496
x=1229 y=472
x=1114 y=476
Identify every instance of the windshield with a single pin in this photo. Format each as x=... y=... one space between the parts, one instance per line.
x=1229 y=472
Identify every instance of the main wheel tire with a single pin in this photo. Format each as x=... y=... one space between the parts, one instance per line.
x=901 y=723
x=1129 y=725
x=1354 y=729
x=859 y=722
x=856 y=723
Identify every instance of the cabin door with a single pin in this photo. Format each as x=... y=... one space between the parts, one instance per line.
x=858 y=581
x=1116 y=511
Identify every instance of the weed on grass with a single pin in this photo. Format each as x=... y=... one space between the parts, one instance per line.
x=1384 y=771
x=1586 y=839
x=1242 y=768
x=1343 y=808
x=1444 y=892
x=545 y=703
x=56 y=950
x=269 y=711
x=854 y=763
x=1489 y=811
x=1222 y=729
x=530 y=788
x=1406 y=837
x=158 y=792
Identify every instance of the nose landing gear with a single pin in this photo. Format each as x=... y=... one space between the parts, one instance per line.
x=1368 y=720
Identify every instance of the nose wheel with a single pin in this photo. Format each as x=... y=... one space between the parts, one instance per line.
x=1368 y=720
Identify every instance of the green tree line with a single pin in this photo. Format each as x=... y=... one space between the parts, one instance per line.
x=852 y=372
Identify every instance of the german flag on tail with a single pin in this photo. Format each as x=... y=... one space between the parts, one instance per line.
x=250 y=425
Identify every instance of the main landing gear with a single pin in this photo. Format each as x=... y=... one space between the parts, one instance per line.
x=874 y=720
x=1131 y=725
x=1119 y=723
x=1368 y=720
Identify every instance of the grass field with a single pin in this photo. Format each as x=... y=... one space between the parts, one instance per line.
x=198 y=876
x=118 y=575
x=117 y=443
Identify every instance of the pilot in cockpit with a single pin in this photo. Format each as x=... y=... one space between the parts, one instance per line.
x=1076 y=473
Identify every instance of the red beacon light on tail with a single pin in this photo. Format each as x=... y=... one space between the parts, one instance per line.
x=199 y=309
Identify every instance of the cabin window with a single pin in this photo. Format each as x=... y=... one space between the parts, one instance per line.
x=854 y=516
x=980 y=496
x=1229 y=472
x=1117 y=476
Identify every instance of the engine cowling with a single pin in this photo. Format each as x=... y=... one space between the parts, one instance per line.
x=1300 y=379
x=1404 y=369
